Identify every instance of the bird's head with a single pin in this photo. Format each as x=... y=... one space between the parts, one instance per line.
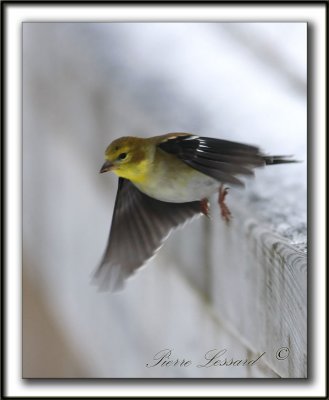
x=128 y=157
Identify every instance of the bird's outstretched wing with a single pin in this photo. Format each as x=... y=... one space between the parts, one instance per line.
x=140 y=224
x=220 y=159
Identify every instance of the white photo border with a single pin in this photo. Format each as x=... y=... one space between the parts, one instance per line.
x=13 y=14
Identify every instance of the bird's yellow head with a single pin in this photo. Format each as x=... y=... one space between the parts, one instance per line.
x=128 y=157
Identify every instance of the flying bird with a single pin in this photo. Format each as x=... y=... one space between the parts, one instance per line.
x=164 y=181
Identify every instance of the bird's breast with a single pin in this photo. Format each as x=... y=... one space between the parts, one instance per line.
x=176 y=182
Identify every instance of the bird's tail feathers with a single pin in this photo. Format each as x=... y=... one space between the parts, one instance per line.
x=271 y=160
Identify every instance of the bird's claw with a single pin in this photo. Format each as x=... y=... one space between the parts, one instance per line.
x=225 y=212
x=204 y=207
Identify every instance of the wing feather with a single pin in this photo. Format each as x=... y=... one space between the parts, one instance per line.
x=139 y=227
x=218 y=158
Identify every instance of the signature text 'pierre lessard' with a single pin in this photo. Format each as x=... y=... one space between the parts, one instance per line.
x=212 y=358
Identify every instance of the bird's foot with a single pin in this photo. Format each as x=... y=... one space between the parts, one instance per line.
x=225 y=212
x=204 y=207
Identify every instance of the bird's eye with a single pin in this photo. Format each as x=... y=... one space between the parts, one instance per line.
x=122 y=156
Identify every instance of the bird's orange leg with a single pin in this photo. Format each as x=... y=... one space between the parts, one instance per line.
x=204 y=207
x=225 y=212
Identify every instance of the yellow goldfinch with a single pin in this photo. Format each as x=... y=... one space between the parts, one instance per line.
x=163 y=182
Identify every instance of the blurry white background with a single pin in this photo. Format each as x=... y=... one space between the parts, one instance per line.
x=85 y=84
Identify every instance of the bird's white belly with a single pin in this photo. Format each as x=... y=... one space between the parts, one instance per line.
x=180 y=189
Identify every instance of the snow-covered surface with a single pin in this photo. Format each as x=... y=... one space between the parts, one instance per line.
x=86 y=84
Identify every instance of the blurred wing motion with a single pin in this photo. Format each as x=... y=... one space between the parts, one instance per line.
x=217 y=158
x=140 y=226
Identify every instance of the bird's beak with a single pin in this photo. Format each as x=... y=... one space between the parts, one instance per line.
x=107 y=166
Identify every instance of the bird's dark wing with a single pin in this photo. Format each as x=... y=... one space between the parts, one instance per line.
x=220 y=159
x=140 y=225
